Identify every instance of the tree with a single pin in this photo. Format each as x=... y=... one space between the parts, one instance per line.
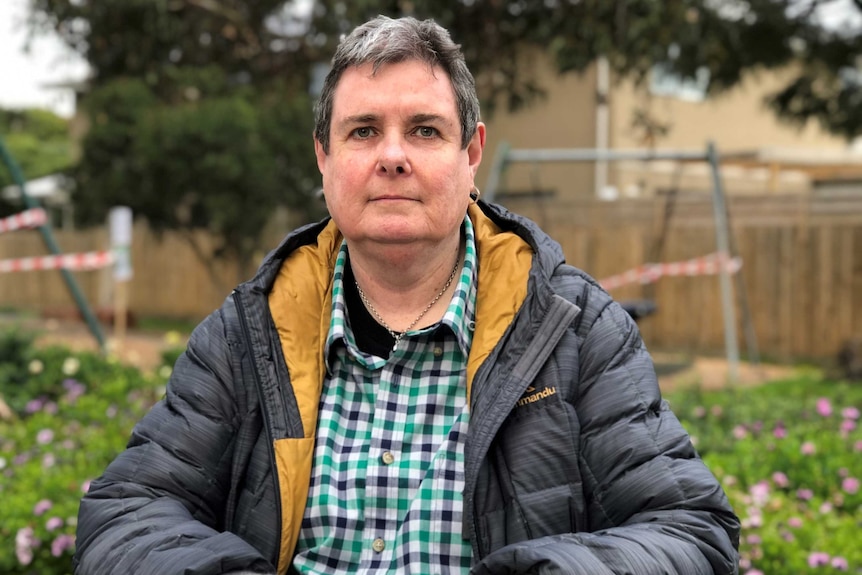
x=727 y=38
x=196 y=120
x=40 y=144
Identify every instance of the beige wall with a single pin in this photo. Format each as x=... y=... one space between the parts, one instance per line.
x=736 y=121
x=564 y=119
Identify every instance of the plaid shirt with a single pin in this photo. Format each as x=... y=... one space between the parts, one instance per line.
x=388 y=476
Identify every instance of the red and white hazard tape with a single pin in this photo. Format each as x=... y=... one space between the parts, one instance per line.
x=75 y=262
x=31 y=218
x=648 y=273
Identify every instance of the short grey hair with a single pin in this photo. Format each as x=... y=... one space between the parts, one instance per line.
x=384 y=40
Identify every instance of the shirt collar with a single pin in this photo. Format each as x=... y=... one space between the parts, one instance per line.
x=459 y=316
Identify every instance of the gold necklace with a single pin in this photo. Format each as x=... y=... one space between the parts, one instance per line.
x=397 y=335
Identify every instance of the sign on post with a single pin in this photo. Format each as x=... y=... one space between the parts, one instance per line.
x=120 y=230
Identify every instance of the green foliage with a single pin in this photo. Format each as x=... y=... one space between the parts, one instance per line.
x=39 y=142
x=788 y=455
x=196 y=120
x=73 y=414
x=728 y=39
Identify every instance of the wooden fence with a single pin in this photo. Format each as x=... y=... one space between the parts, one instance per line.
x=801 y=274
x=802 y=268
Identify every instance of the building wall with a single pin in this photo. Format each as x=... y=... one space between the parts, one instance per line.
x=737 y=121
x=566 y=118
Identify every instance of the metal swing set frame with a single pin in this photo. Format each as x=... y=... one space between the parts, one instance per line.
x=506 y=156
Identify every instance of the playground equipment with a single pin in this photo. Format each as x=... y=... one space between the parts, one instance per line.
x=721 y=262
x=35 y=217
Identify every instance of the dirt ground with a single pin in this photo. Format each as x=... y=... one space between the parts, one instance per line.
x=144 y=349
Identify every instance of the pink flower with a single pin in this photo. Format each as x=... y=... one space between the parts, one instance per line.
x=847 y=426
x=780 y=479
x=754 y=572
x=818 y=559
x=740 y=432
x=839 y=563
x=753 y=539
x=53 y=523
x=824 y=408
x=794 y=522
x=42 y=506
x=779 y=432
x=44 y=436
x=34 y=405
x=61 y=543
x=85 y=486
x=760 y=493
x=24 y=543
x=850 y=485
x=699 y=412
x=858 y=445
x=804 y=494
x=716 y=410
x=808 y=448
x=850 y=413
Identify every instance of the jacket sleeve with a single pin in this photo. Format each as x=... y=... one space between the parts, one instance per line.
x=158 y=506
x=653 y=507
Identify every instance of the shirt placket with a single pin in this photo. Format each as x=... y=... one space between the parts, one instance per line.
x=383 y=473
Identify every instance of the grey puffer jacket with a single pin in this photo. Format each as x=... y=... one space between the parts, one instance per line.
x=574 y=464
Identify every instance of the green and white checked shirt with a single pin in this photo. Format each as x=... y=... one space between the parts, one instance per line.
x=388 y=475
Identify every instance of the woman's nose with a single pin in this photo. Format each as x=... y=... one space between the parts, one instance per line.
x=393 y=157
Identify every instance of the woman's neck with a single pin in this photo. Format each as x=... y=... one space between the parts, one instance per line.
x=398 y=288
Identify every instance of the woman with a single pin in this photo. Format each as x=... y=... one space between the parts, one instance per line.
x=419 y=384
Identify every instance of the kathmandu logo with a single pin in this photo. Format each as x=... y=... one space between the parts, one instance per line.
x=535 y=396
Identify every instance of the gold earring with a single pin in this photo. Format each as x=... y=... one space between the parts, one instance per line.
x=474 y=194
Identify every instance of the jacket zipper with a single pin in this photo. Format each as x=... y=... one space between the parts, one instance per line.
x=557 y=320
x=243 y=322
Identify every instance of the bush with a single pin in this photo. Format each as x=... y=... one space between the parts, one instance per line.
x=788 y=456
x=72 y=413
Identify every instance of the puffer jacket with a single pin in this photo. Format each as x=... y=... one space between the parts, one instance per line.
x=573 y=463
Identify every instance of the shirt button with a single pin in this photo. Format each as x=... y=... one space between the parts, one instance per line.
x=378 y=545
x=388 y=458
x=438 y=351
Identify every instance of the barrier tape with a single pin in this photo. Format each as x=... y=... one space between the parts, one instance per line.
x=76 y=262
x=648 y=273
x=32 y=218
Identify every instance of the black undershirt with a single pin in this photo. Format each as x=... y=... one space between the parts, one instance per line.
x=371 y=337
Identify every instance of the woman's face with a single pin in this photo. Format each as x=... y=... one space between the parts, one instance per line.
x=395 y=173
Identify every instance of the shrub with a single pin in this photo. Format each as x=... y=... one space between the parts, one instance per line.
x=73 y=412
x=788 y=456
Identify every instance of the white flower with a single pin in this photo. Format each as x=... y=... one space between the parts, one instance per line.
x=2 y=463
x=71 y=365
x=36 y=367
x=24 y=543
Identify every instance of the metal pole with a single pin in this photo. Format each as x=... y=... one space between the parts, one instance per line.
x=51 y=244
x=495 y=174
x=722 y=238
x=593 y=155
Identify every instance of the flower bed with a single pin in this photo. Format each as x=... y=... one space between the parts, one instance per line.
x=788 y=453
x=71 y=415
